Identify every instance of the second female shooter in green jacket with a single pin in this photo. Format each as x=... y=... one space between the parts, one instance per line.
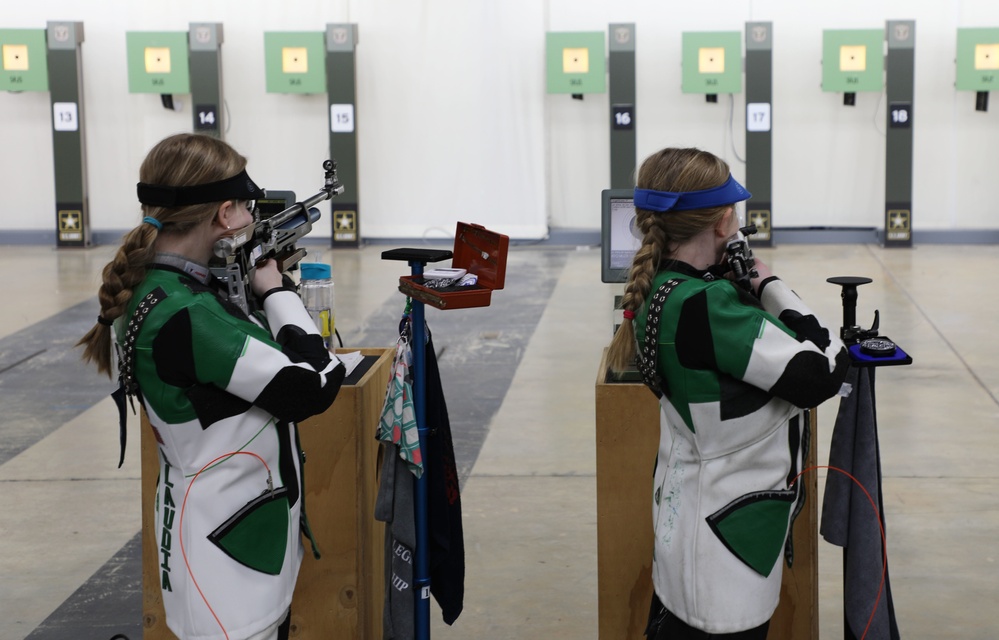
x=734 y=367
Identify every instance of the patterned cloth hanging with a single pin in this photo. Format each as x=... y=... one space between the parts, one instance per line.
x=398 y=421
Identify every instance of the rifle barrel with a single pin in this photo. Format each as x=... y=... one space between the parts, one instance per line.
x=278 y=220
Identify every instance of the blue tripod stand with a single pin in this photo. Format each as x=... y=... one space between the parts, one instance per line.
x=418 y=259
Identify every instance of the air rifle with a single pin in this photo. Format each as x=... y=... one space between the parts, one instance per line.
x=273 y=237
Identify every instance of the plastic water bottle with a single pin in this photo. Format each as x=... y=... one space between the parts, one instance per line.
x=317 y=293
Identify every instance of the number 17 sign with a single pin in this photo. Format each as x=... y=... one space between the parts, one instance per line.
x=758 y=116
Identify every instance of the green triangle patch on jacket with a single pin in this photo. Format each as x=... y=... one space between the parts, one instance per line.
x=257 y=535
x=754 y=527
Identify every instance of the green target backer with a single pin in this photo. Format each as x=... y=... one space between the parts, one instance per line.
x=295 y=62
x=157 y=62
x=24 y=66
x=576 y=62
x=977 y=59
x=712 y=62
x=853 y=60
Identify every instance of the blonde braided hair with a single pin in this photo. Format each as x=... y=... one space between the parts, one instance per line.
x=671 y=169
x=179 y=160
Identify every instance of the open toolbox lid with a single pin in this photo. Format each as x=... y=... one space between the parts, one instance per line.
x=482 y=252
x=477 y=250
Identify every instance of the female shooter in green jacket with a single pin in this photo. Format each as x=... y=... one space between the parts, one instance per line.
x=222 y=391
x=734 y=367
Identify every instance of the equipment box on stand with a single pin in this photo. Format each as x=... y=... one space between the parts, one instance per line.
x=480 y=252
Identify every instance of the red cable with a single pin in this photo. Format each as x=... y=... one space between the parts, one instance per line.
x=884 y=542
x=183 y=506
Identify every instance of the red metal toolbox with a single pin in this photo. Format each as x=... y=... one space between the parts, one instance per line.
x=477 y=250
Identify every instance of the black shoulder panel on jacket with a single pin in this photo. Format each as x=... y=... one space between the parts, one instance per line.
x=175 y=366
x=695 y=347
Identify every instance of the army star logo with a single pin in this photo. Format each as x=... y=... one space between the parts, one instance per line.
x=898 y=219
x=760 y=218
x=69 y=220
x=344 y=220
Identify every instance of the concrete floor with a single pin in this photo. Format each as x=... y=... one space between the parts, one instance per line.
x=528 y=463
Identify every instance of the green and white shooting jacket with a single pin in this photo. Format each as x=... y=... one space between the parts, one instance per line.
x=223 y=392
x=736 y=373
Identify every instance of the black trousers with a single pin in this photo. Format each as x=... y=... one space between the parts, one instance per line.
x=285 y=627
x=663 y=625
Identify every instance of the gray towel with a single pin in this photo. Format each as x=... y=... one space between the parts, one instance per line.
x=394 y=507
x=849 y=521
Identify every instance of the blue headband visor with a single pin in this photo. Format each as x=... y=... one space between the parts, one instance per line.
x=728 y=193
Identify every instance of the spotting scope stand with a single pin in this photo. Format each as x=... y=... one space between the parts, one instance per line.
x=854 y=447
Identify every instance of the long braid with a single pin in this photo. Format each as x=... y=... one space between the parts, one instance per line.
x=644 y=266
x=125 y=271
x=666 y=170
x=179 y=160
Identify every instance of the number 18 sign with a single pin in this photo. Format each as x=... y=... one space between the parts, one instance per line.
x=900 y=115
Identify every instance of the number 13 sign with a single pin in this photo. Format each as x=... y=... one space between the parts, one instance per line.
x=64 y=116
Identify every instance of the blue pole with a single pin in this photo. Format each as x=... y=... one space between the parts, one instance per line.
x=421 y=567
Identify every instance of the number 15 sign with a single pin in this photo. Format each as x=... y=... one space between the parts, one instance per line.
x=342 y=118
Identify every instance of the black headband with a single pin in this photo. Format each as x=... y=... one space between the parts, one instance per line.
x=238 y=187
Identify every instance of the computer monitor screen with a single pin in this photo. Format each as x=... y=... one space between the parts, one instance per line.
x=274 y=202
x=619 y=237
